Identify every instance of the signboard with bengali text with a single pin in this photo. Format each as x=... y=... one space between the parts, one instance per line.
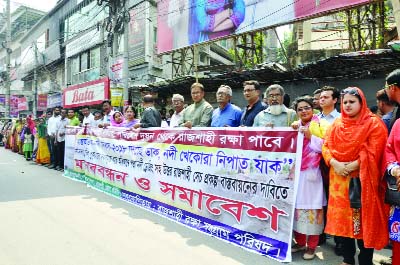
x=42 y=102
x=236 y=185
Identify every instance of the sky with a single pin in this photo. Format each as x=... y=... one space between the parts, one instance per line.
x=44 y=5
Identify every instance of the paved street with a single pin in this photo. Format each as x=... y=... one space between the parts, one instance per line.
x=49 y=219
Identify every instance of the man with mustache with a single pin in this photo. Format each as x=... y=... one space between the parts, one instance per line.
x=276 y=115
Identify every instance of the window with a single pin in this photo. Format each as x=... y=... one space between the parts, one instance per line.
x=84 y=18
x=95 y=57
x=85 y=66
x=84 y=61
x=75 y=65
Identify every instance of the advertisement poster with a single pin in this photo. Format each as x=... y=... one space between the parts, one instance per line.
x=236 y=185
x=14 y=106
x=182 y=23
x=54 y=100
x=2 y=103
x=42 y=102
x=22 y=104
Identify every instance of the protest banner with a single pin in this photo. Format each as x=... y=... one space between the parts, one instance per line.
x=237 y=185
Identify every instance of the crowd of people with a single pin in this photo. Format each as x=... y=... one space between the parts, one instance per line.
x=341 y=150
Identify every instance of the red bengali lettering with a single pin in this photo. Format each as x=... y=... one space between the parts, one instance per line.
x=265 y=214
x=143 y=183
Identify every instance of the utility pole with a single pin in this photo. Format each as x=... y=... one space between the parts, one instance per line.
x=396 y=13
x=35 y=80
x=125 y=69
x=8 y=59
x=115 y=47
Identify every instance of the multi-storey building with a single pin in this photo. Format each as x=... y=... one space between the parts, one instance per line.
x=77 y=49
x=22 y=20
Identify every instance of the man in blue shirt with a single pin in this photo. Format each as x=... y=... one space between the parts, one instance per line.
x=328 y=99
x=251 y=92
x=226 y=115
x=385 y=107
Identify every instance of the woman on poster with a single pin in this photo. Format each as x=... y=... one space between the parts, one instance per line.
x=211 y=19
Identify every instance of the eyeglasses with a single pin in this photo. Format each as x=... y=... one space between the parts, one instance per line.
x=248 y=90
x=387 y=86
x=274 y=96
x=304 y=109
x=220 y=93
x=351 y=91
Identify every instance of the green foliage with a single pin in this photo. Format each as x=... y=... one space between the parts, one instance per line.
x=246 y=59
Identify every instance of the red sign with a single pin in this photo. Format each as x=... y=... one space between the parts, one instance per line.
x=42 y=102
x=22 y=104
x=89 y=93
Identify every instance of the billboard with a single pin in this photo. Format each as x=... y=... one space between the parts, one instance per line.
x=137 y=34
x=183 y=23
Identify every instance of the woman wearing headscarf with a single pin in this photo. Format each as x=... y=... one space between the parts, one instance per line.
x=353 y=148
x=392 y=157
x=15 y=135
x=117 y=119
x=43 y=153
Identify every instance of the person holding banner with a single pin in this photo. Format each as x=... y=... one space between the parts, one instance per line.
x=354 y=148
x=151 y=117
x=117 y=119
x=309 y=214
x=130 y=114
x=200 y=112
x=277 y=114
x=392 y=159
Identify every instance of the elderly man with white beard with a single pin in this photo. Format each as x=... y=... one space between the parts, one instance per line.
x=276 y=115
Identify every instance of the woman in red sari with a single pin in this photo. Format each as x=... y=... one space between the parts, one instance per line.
x=354 y=148
x=392 y=156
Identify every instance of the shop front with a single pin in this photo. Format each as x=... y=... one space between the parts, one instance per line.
x=90 y=93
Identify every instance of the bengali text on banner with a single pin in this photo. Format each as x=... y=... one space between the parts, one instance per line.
x=235 y=184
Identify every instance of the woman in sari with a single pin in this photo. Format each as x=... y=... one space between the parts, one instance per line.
x=309 y=214
x=22 y=138
x=15 y=135
x=392 y=157
x=42 y=154
x=130 y=114
x=353 y=148
x=8 y=135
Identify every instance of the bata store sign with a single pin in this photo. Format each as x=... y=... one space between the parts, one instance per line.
x=89 y=93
